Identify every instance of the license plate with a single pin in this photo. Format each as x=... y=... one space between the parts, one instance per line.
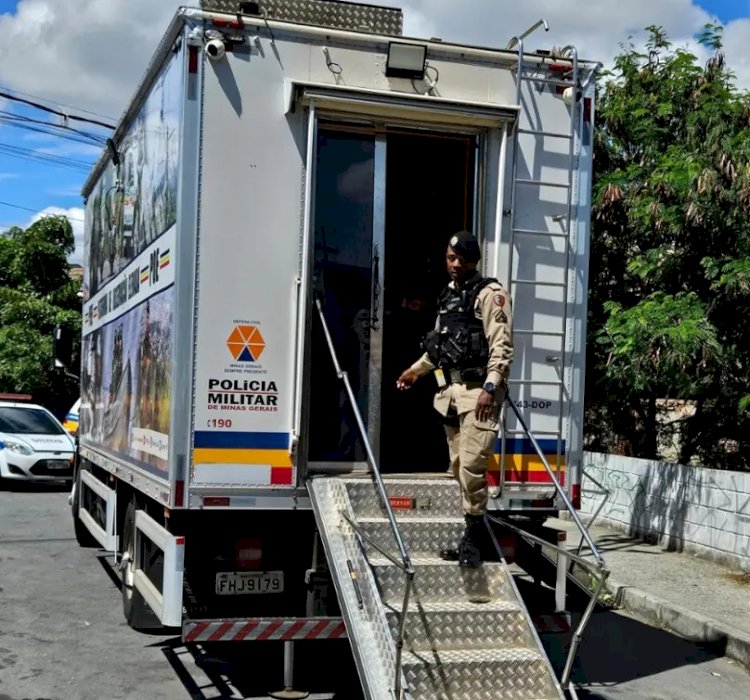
x=247 y=582
x=58 y=464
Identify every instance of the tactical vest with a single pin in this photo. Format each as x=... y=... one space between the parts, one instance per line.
x=459 y=341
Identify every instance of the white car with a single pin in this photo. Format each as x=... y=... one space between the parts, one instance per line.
x=33 y=444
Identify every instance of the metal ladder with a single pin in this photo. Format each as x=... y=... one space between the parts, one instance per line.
x=527 y=73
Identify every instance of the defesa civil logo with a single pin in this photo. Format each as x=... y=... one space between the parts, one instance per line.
x=245 y=343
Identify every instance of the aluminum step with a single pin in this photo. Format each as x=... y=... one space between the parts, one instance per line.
x=409 y=498
x=462 y=625
x=495 y=674
x=437 y=581
x=468 y=635
x=424 y=537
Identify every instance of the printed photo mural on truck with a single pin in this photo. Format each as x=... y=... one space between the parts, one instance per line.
x=129 y=288
x=134 y=204
x=126 y=379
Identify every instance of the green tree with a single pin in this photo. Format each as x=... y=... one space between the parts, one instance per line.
x=36 y=294
x=670 y=282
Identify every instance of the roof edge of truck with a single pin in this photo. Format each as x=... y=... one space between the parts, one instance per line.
x=183 y=14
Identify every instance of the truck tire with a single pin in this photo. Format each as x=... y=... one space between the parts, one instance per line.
x=137 y=613
x=83 y=536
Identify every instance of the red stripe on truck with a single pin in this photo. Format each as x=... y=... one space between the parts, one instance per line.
x=219 y=632
x=196 y=631
x=281 y=475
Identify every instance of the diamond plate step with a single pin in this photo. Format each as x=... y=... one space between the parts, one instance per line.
x=424 y=537
x=409 y=498
x=505 y=674
x=437 y=581
x=462 y=625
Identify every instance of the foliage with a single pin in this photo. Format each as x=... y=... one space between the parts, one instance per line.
x=36 y=294
x=670 y=282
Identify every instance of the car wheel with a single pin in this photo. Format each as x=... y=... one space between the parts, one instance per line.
x=137 y=613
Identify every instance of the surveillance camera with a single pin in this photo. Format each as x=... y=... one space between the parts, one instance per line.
x=215 y=49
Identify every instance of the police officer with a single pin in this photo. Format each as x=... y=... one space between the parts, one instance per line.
x=469 y=352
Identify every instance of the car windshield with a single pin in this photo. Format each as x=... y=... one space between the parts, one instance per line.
x=27 y=421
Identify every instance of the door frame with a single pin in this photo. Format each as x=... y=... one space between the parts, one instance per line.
x=379 y=127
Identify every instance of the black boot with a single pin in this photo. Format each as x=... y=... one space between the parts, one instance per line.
x=469 y=551
x=471 y=546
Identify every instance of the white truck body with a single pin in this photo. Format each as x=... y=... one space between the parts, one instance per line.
x=213 y=172
x=240 y=187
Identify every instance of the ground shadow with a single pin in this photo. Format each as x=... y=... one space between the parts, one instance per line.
x=616 y=647
x=17 y=486
x=253 y=669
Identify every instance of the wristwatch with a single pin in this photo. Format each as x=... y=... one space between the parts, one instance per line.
x=489 y=387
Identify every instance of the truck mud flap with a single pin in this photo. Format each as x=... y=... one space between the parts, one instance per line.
x=106 y=535
x=164 y=599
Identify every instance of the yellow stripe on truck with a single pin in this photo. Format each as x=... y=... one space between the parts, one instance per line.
x=275 y=458
x=530 y=463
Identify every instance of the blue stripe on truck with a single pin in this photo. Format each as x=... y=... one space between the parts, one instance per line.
x=523 y=446
x=258 y=441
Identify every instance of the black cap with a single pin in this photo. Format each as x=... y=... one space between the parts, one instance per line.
x=466 y=246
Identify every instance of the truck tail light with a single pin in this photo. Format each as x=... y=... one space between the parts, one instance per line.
x=193 y=57
x=248 y=554
x=576 y=496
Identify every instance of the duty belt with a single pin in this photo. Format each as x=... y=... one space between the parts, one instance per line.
x=474 y=375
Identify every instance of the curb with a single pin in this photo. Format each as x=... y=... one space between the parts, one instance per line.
x=690 y=625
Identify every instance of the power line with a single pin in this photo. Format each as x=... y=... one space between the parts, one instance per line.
x=59 y=113
x=36 y=211
x=48 y=158
x=53 y=102
x=45 y=127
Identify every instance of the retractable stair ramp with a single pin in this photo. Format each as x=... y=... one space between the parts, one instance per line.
x=420 y=627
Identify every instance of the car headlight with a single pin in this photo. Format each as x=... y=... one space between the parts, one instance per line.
x=20 y=448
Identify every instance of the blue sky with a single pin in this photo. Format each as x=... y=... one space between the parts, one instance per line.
x=727 y=10
x=102 y=80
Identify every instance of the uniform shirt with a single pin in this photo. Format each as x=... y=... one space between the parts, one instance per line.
x=493 y=308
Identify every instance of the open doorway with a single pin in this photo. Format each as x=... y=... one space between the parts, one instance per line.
x=385 y=206
x=429 y=196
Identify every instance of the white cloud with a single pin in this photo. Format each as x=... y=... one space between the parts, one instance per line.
x=598 y=31
x=92 y=53
x=736 y=41
x=75 y=216
x=64 y=191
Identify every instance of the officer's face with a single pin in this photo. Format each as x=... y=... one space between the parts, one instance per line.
x=458 y=268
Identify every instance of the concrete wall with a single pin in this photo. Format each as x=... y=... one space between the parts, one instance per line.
x=705 y=511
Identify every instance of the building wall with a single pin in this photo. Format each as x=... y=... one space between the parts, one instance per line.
x=705 y=511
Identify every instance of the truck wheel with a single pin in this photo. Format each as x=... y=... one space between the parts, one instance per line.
x=83 y=536
x=137 y=613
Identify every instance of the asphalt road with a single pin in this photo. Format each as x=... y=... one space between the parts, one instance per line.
x=62 y=637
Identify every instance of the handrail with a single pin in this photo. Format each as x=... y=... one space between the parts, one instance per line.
x=407 y=567
x=560 y=491
x=601 y=570
x=361 y=532
x=605 y=492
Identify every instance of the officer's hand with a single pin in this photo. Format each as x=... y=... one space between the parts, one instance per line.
x=485 y=405
x=406 y=380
